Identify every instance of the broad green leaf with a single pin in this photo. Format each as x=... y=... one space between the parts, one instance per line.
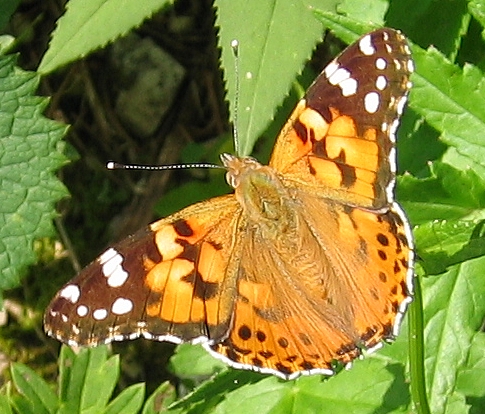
x=190 y=361
x=88 y=25
x=374 y=11
x=451 y=100
x=160 y=399
x=454 y=304
x=471 y=379
x=92 y=380
x=345 y=28
x=377 y=381
x=66 y=363
x=128 y=401
x=447 y=194
x=214 y=390
x=370 y=386
x=38 y=396
x=272 y=50
x=30 y=153
x=5 y=407
x=448 y=211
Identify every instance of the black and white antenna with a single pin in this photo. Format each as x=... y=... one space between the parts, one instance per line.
x=112 y=165
x=235 y=51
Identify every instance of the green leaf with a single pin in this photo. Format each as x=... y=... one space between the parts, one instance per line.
x=5 y=407
x=451 y=100
x=472 y=377
x=160 y=400
x=374 y=11
x=37 y=396
x=378 y=382
x=345 y=28
x=190 y=361
x=214 y=390
x=272 y=50
x=128 y=401
x=454 y=305
x=91 y=381
x=66 y=362
x=448 y=211
x=88 y=25
x=375 y=385
x=30 y=153
x=448 y=193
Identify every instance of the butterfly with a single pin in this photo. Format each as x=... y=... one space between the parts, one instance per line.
x=305 y=265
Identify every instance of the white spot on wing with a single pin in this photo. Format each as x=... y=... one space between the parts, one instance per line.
x=400 y=105
x=348 y=86
x=342 y=78
x=410 y=65
x=82 y=310
x=381 y=82
x=338 y=76
x=121 y=306
x=366 y=46
x=371 y=102
x=393 y=130
x=100 y=314
x=381 y=63
x=71 y=293
x=392 y=167
x=107 y=255
x=331 y=68
x=111 y=262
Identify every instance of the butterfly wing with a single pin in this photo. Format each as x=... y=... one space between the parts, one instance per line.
x=173 y=281
x=329 y=272
x=346 y=279
x=340 y=139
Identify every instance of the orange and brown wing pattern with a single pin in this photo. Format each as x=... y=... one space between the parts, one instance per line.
x=341 y=136
x=338 y=284
x=308 y=263
x=284 y=321
x=172 y=281
x=341 y=279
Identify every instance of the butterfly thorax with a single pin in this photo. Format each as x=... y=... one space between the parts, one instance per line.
x=260 y=192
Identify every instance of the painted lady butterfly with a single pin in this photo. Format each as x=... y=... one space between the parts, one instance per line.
x=308 y=262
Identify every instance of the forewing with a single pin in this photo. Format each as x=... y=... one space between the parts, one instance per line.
x=340 y=139
x=172 y=281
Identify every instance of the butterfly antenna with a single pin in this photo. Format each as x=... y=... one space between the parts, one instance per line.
x=235 y=51
x=112 y=165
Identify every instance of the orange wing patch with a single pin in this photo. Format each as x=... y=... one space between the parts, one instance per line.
x=188 y=279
